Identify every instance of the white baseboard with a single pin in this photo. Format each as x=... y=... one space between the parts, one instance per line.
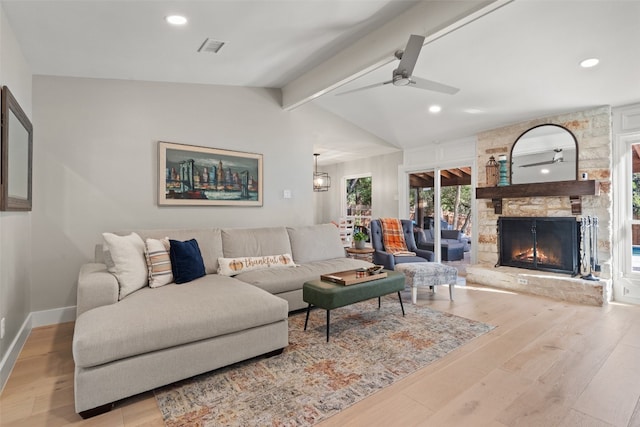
x=10 y=357
x=53 y=316
x=33 y=320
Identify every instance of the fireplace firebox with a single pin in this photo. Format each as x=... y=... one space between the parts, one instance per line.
x=539 y=243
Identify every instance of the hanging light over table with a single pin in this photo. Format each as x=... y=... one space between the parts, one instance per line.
x=321 y=180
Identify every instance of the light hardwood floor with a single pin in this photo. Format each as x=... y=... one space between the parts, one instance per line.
x=546 y=363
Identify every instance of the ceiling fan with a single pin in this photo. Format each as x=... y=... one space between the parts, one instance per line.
x=558 y=157
x=402 y=76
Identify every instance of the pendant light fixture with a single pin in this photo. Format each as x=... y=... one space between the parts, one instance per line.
x=321 y=180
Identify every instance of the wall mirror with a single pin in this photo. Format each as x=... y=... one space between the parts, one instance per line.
x=544 y=153
x=17 y=154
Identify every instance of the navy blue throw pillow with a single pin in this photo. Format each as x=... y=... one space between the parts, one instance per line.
x=186 y=260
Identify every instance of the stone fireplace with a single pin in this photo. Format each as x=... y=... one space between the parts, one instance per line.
x=592 y=129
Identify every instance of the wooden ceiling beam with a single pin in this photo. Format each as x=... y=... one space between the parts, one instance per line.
x=416 y=181
x=456 y=172
x=635 y=158
x=448 y=178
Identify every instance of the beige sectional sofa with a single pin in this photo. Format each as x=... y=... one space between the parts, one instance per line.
x=156 y=336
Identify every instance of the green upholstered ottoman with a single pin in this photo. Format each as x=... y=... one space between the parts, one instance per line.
x=329 y=295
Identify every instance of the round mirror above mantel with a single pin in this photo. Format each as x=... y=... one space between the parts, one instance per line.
x=544 y=153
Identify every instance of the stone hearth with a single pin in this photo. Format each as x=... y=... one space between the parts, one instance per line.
x=553 y=285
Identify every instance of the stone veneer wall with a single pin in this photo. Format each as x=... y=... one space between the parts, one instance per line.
x=592 y=129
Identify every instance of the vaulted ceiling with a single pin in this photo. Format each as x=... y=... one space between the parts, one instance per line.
x=512 y=60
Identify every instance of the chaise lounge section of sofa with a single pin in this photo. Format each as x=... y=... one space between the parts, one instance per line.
x=156 y=336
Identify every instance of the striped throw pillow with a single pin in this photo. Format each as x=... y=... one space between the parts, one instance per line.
x=158 y=262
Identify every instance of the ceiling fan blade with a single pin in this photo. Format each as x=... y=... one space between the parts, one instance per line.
x=557 y=158
x=410 y=54
x=364 y=87
x=425 y=84
x=548 y=162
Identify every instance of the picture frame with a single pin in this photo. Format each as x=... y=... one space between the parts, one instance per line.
x=16 y=155
x=190 y=175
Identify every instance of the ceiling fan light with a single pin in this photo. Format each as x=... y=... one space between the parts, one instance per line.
x=403 y=75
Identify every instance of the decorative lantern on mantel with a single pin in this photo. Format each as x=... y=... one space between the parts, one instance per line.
x=492 y=172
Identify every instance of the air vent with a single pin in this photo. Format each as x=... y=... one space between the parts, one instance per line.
x=211 y=46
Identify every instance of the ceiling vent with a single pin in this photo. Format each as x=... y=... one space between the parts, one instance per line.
x=211 y=46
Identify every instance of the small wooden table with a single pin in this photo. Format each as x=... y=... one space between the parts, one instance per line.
x=365 y=254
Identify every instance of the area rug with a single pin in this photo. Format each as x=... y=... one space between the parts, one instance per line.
x=311 y=380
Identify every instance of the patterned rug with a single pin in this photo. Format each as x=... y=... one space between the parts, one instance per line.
x=311 y=380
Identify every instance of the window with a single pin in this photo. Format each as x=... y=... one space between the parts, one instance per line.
x=357 y=200
x=626 y=249
x=635 y=207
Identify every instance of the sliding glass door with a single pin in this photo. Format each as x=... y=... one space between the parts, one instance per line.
x=440 y=207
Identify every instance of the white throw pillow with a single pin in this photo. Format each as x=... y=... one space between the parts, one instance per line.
x=158 y=262
x=233 y=266
x=129 y=263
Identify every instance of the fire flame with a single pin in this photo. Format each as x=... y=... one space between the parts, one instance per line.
x=543 y=258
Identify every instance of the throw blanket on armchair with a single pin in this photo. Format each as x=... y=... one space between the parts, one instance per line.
x=393 y=237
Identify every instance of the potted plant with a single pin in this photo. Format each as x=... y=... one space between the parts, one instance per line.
x=359 y=238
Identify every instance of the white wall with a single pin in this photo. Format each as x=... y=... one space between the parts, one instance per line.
x=96 y=163
x=15 y=227
x=389 y=198
x=384 y=179
x=450 y=154
x=441 y=155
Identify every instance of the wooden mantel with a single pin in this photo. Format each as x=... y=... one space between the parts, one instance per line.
x=573 y=189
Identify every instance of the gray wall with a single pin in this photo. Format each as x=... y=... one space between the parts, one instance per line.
x=15 y=227
x=96 y=164
x=384 y=179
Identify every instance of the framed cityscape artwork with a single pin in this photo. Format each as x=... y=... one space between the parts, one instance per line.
x=189 y=175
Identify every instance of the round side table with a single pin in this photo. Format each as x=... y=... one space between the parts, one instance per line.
x=364 y=254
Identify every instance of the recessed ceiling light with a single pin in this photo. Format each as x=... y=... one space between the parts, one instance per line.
x=544 y=171
x=435 y=109
x=588 y=63
x=176 y=19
